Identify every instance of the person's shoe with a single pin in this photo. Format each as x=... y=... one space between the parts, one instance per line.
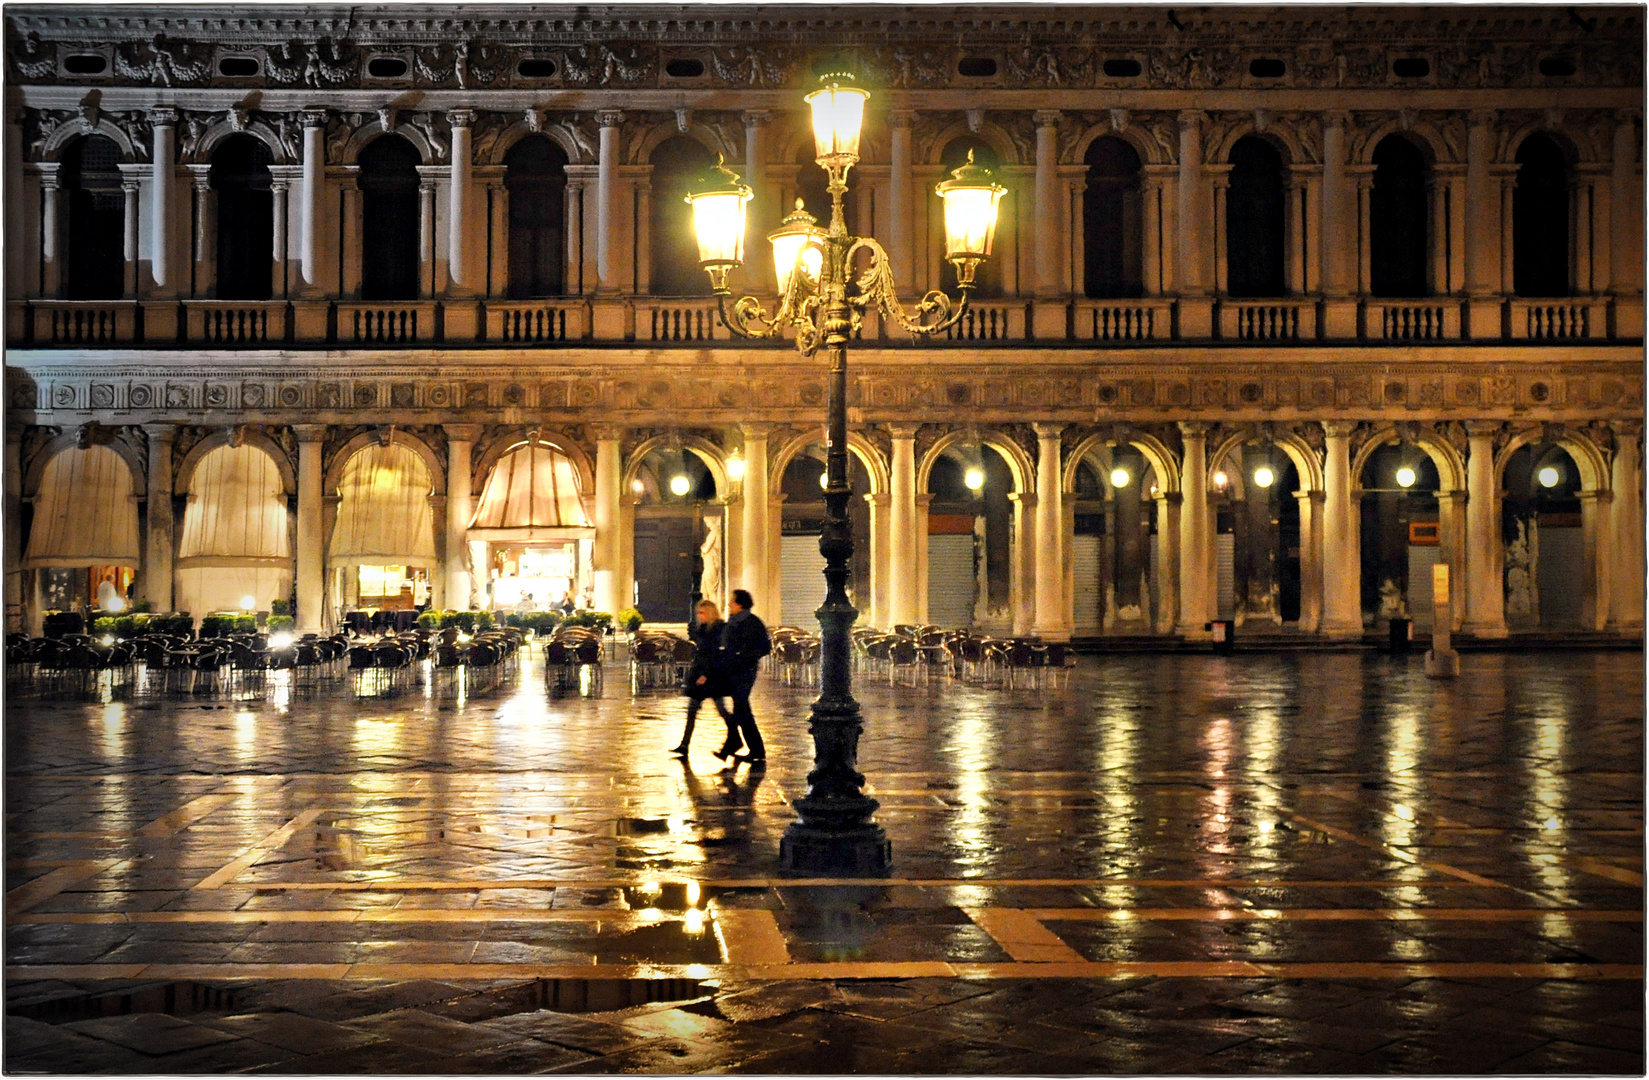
x=751 y=761
x=679 y=751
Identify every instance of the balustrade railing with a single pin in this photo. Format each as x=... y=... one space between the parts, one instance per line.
x=386 y=324
x=1122 y=320
x=84 y=322
x=234 y=322
x=1413 y=322
x=531 y=322
x=678 y=320
x=988 y=320
x=1556 y=320
x=1275 y=320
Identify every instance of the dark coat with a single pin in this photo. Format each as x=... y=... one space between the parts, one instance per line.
x=744 y=642
x=705 y=661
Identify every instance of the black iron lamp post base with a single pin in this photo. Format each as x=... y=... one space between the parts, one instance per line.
x=863 y=851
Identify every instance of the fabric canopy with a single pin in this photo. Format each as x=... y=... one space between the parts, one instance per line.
x=384 y=516
x=237 y=511
x=201 y=589
x=532 y=487
x=85 y=514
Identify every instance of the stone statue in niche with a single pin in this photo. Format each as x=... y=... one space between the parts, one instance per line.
x=1393 y=604
x=713 y=583
x=1522 y=556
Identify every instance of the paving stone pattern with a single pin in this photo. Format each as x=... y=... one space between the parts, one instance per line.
x=1197 y=864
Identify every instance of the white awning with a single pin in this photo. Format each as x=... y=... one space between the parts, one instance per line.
x=85 y=514
x=203 y=589
x=532 y=494
x=384 y=516
x=237 y=512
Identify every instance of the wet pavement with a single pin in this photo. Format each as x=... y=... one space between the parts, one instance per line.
x=1259 y=863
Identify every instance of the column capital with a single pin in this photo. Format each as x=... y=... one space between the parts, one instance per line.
x=901 y=118
x=1339 y=429
x=608 y=433
x=461 y=118
x=163 y=116
x=202 y=175
x=157 y=432
x=1458 y=498
x=924 y=499
x=1027 y=499
x=1310 y=496
x=903 y=430
x=1336 y=118
x=1195 y=429
x=1482 y=117
x=1628 y=429
x=609 y=117
x=878 y=498
x=49 y=180
x=1046 y=432
x=1190 y=118
x=1171 y=498
x=463 y=432
x=755 y=428
x=1628 y=116
x=756 y=117
x=1046 y=117
x=310 y=433
x=1482 y=429
x=314 y=116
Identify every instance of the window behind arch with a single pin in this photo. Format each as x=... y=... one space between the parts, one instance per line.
x=96 y=263
x=988 y=278
x=1540 y=220
x=246 y=221
x=1397 y=212
x=1111 y=232
x=389 y=219
x=1254 y=220
x=677 y=162
x=536 y=179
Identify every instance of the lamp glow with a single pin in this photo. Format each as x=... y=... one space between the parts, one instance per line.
x=718 y=221
x=824 y=479
x=1264 y=477
x=680 y=485
x=1405 y=477
x=637 y=486
x=1220 y=480
x=1549 y=477
x=735 y=466
x=838 y=116
x=116 y=604
x=974 y=479
x=796 y=243
x=971 y=196
x=1120 y=478
x=280 y=641
x=247 y=603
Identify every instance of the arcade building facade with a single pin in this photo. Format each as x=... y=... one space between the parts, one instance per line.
x=380 y=307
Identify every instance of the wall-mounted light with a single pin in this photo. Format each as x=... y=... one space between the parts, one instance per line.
x=1221 y=480
x=974 y=479
x=680 y=485
x=1120 y=478
x=637 y=486
x=1549 y=476
x=735 y=466
x=1405 y=477
x=1264 y=477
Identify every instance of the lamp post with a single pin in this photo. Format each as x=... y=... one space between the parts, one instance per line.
x=822 y=300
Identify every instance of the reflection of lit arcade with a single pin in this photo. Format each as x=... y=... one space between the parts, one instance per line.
x=531 y=528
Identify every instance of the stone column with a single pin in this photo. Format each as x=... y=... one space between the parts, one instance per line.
x=902 y=596
x=1051 y=624
x=277 y=248
x=1168 y=565
x=161 y=542
x=879 y=559
x=50 y=234
x=1049 y=242
x=606 y=254
x=164 y=198
x=1194 y=217
x=756 y=512
x=130 y=186
x=16 y=597
x=1596 y=558
x=899 y=207
x=1589 y=216
x=1626 y=529
x=1311 y=560
x=1220 y=183
x=1482 y=214
x=458 y=204
x=1150 y=197
x=1508 y=188
x=643 y=269
x=1451 y=517
x=309 y=201
x=1626 y=212
x=1485 y=587
x=206 y=232
x=1342 y=537
x=311 y=553
x=426 y=232
x=759 y=212
x=575 y=236
x=924 y=502
x=1331 y=237
x=1363 y=177
x=461 y=439
x=1196 y=534
x=609 y=484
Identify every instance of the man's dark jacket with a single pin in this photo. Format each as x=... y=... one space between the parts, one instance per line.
x=744 y=642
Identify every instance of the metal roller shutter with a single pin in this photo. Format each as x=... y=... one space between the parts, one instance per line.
x=950 y=581
x=802 y=583
x=1421 y=560
x=1225 y=554
x=1558 y=574
x=1086 y=586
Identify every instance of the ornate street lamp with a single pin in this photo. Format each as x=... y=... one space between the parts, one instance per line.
x=822 y=300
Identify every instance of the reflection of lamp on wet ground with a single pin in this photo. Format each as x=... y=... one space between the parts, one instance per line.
x=1549 y=476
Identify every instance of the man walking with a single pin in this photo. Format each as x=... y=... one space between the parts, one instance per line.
x=744 y=642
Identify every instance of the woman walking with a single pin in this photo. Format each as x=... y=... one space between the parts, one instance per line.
x=703 y=679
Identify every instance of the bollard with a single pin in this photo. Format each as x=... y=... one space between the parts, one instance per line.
x=1442 y=662
x=1401 y=634
x=1225 y=636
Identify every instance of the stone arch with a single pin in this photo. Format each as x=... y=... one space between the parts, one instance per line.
x=65 y=134
x=1593 y=465
x=857 y=444
x=998 y=139
x=488 y=453
x=218 y=132
x=192 y=460
x=641 y=150
x=1576 y=146
x=367 y=133
x=1424 y=137
x=1306 y=463
x=713 y=456
x=1281 y=137
x=432 y=461
x=69 y=440
x=1149 y=150
x=1019 y=462
x=1162 y=460
x=519 y=130
x=1450 y=462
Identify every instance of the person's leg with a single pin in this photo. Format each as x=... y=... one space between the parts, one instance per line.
x=747 y=719
x=693 y=704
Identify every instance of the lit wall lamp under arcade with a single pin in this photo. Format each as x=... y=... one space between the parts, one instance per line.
x=823 y=296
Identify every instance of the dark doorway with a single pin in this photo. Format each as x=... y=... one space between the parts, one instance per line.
x=535 y=177
x=96 y=263
x=1254 y=220
x=1397 y=209
x=389 y=219
x=676 y=164
x=664 y=567
x=246 y=222
x=1540 y=220
x=1111 y=221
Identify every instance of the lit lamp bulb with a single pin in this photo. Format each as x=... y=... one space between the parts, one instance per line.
x=838 y=109
x=637 y=486
x=117 y=604
x=970 y=196
x=247 y=603
x=974 y=479
x=680 y=485
x=1120 y=478
x=824 y=479
x=1264 y=477
x=796 y=243
x=718 y=222
x=1405 y=477
x=735 y=467
x=1549 y=477
x=1220 y=480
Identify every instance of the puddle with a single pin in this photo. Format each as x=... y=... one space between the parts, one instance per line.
x=662 y=943
x=634 y=826
x=173 y=999
x=606 y=995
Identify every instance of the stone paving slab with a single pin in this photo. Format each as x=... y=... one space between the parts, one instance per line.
x=1301 y=863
